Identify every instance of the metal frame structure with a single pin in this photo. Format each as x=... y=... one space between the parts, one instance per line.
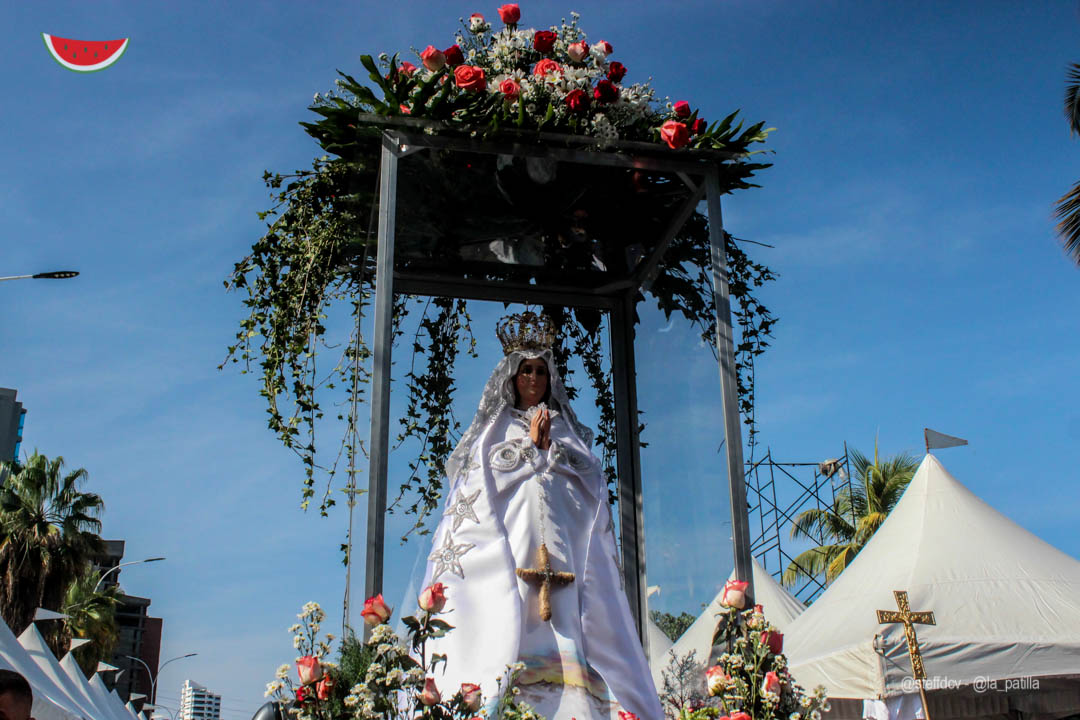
x=775 y=512
x=700 y=173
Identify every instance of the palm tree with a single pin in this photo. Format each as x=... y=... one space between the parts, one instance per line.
x=1068 y=207
x=856 y=514
x=91 y=614
x=49 y=537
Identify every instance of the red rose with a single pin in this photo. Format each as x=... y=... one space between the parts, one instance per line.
x=375 y=610
x=544 y=40
x=604 y=46
x=578 y=51
x=302 y=694
x=616 y=72
x=471 y=696
x=510 y=88
x=433 y=58
x=546 y=67
x=771 y=683
x=606 y=91
x=697 y=127
x=433 y=598
x=740 y=716
x=453 y=55
x=510 y=13
x=470 y=77
x=775 y=641
x=309 y=669
x=682 y=109
x=577 y=100
x=623 y=715
x=407 y=68
x=324 y=688
x=404 y=109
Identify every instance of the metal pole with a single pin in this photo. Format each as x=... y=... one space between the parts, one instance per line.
x=725 y=349
x=628 y=458
x=379 y=447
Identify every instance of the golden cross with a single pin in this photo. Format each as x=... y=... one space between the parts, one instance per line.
x=909 y=619
x=543 y=576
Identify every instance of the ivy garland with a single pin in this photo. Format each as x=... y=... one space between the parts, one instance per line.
x=318 y=253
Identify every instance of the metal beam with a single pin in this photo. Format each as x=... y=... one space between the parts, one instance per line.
x=628 y=458
x=725 y=346
x=379 y=447
x=415 y=284
x=646 y=275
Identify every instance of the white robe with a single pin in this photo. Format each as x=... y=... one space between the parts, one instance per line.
x=507 y=498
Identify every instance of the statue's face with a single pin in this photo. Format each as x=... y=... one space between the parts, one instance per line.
x=531 y=382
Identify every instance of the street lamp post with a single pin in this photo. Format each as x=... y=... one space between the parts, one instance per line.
x=54 y=275
x=153 y=678
x=110 y=571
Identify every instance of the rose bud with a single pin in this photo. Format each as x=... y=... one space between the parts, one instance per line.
x=616 y=71
x=682 y=109
x=775 y=641
x=430 y=695
x=771 y=683
x=624 y=715
x=577 y=100
x=470 y=695
x=740 y=716
x=716 y=679
x=404 y=109
x=433 y=598
x=578 y=51
x=510 y=13
x=734 y=595
x=375 y=611
x=603 y=46
x=309 y=669
x=546 y=67
x=325 y=688
x=453 y=55
x=406 y=68
x=470 y=77
x=510 y=88
x=544 y=40
x=606 y=91
x=476 y=22
x=433 y=58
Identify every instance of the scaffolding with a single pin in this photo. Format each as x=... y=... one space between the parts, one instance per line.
x=776 y=493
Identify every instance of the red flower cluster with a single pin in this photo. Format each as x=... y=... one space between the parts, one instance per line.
x=544 y=41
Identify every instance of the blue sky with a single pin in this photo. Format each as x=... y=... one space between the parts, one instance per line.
x=918 y=153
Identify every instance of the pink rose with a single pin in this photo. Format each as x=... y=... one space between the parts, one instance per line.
x=616 y=72
x=510 y=88
x=606 y=91
x=717 y=680
x=510 y=13
x=470 y=695
x=578 y=51
x=433 y=58
x=453 y=55
x=375 y=611
x=775 y=641
x=577 y=100
x=771 y=683
x=430 y=695
x=470 y=77
x=604 y=46
x=544 y=40
x=324 y=688
x=309 y=669
x=675 y=134
x=433 y=598
x=546 y=66
x=476 y=22
x=740 y=716
x=406 y=68
x=682 y=109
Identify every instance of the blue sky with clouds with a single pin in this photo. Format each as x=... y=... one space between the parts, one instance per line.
x=918 y=153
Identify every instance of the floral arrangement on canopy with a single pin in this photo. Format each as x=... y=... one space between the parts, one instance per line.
x=551 y=79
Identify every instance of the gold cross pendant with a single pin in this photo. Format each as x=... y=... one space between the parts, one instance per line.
x=543 y=576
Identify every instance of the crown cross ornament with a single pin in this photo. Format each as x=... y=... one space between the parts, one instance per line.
x=525 y=331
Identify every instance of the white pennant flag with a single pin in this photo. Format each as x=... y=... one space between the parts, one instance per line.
x=934 y=439
x=43 y=614
x=78 y=642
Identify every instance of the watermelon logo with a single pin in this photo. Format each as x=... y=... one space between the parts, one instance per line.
x=84 y=55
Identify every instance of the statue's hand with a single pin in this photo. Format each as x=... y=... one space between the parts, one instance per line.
x=540 y=429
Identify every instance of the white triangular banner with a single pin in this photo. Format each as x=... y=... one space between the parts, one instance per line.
x=78 y=642
x=105 y=667
x=934 y=439
x=43 y=614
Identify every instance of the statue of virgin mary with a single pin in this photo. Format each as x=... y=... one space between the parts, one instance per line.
x=526 y=550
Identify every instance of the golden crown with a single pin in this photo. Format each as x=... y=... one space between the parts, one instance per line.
x=525 y=331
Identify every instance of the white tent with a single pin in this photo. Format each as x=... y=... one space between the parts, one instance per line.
x=75 y=674
x=1007 y=606
x=105 y=701
x=50 y=701
x=34 y=644
x=780 y=608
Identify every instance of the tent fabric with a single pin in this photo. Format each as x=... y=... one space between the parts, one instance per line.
x=105 y=702
x=1007 y=605
x=71 y=668
x=36 y=647
x=50 y=701
x=780 y=608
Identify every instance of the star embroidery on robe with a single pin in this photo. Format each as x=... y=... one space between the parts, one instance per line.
x=462 y=509
x=448 y=558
